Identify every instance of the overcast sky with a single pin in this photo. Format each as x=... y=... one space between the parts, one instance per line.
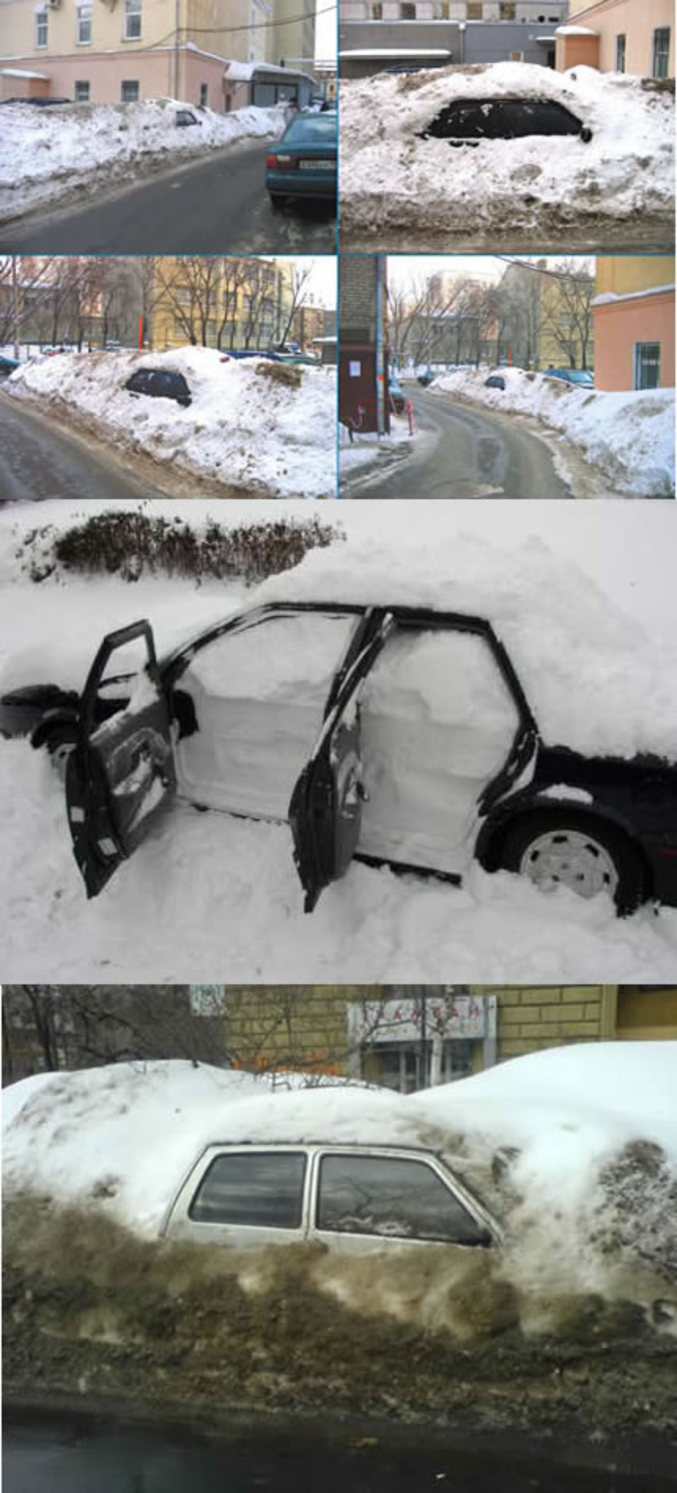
x=325 y=30
x=322 y=283
x=405 y=269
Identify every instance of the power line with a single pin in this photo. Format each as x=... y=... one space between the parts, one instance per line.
x=537 y=270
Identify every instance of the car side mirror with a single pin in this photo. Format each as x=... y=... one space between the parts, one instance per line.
x=586 y=134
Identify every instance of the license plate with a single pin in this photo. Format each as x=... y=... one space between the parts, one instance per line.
x=316 y=165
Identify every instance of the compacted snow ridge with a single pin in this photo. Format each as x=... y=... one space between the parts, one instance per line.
x=631 y=435
x=247 y=427
x=573 y=1150
x=47 y=153
x=588 y=617
x=394 y=182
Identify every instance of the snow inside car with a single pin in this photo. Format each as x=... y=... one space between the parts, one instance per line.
x=393 y=735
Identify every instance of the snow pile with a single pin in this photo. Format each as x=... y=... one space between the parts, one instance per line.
x=259 y=428
x=396 y=186
x=542 y=1140
x=47 y=153
x=593 y=678
x=631 y=434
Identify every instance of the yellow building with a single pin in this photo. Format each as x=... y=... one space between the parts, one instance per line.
x=228 y=303
x=392 y=1035
x=623 y=36
x=126 y=50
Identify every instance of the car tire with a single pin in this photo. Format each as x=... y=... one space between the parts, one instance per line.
x=276 y=202
x=60 y=742
x=584 y=854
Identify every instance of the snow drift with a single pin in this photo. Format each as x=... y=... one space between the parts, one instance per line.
x=46 y=153
x=249 y=427
x=395 y=185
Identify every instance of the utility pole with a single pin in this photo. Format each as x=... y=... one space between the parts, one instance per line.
x=15 y=305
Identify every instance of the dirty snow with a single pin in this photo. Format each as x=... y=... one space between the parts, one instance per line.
x=557 y=1120
x=630 y=434
x=395 y=186
x=46 y=154
x=246 y=428
x=208 y=892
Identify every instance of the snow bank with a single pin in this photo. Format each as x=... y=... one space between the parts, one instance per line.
x=248 y=427
x=47 y=153
x=557 y=1144
x=395 y=184
x=595 y=681
x=630 y=434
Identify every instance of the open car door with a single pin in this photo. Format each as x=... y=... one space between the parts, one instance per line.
x=325 y=811
x=121 y=774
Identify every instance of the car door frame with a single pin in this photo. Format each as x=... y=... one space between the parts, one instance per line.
x=337 y=1239
x=100 y=839
x=177 y=1223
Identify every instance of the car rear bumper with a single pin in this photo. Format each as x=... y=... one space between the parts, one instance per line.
x=301 y=184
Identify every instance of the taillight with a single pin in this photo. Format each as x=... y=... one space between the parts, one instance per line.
x=281 y=160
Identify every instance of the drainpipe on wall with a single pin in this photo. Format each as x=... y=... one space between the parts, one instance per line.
x=15 y=306
x=381 y=392
x=461 y=27
x=177 y=19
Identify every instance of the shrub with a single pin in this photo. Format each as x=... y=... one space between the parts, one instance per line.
x=130 y=544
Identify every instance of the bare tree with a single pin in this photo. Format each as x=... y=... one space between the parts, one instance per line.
x=189 y=287
x=300 y=277
x=567 y=312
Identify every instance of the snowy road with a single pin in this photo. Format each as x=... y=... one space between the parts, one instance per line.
x=462 y=453
x=220 y=207
x=42 y=460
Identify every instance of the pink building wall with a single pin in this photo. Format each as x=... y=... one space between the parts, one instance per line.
x=154 y=71
x=620 y=324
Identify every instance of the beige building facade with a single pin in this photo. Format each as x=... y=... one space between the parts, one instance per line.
x=122 y=51
x=634 y=311
x=623 y=36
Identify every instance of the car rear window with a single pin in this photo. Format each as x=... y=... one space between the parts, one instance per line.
x=314 y=128
x=393 y=1197
x=260 y=1188
x=502 y=119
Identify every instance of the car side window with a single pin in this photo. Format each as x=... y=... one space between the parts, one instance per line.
x=138 y=382
x=258 y=1189
x=285 y=658
x=392 y=1197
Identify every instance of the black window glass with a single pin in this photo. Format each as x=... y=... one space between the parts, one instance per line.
x=260 y=1188
x=502 y=119
x=139 y=382
x=391 y=1197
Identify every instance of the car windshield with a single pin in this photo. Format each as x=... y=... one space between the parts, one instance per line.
x=311 y=128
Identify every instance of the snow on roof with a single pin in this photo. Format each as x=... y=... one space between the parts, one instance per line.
x=18 y=72
x=242 y=72
x=575 y=31
x=607 y=297
x=367 y=52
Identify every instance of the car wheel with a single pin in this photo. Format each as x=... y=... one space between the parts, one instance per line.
x=60 y=742
x=276 y=202
x=565 y=850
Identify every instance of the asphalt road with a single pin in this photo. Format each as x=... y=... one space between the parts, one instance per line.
x=41 y=460
x=52 y=1454
x=216 y=207
x=460 y=453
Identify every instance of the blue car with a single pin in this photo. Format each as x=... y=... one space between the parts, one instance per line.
x=303 y=162
x=581 y=377
x=7 y=365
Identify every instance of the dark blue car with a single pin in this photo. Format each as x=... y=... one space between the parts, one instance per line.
x=303 y=162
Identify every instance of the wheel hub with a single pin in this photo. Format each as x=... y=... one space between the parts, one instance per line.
x=569 y=858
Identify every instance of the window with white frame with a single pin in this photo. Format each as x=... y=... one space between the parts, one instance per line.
x=84 y=23
x=41 y=28
x=132 y=20
x=620 y=52
x=82 y=93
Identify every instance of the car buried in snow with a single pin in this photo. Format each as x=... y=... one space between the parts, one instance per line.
x=474 y=120
x=353 y=1198
x=397 y=736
